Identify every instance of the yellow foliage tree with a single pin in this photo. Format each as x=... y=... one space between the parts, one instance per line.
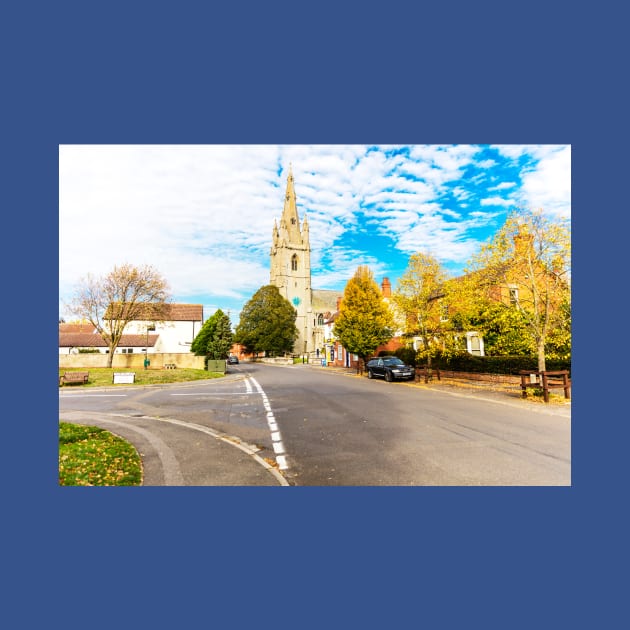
x=527 y=266
x=125 y=294
x=364 y=321
x=422 y=298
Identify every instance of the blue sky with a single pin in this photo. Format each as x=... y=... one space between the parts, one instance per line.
x=203 y=214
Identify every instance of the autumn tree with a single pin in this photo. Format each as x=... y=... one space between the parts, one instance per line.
x=125 y=294
x=504 y=330
x=214 y=340
x=365 y=320
x=558 y=345
x=267 y=323
x=527 y=266
x=424 y=298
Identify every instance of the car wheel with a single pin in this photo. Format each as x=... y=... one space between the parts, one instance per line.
x=370 y=375
x=388 y=376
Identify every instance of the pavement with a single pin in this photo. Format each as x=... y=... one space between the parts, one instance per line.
x=203 y=456
x=505 y=392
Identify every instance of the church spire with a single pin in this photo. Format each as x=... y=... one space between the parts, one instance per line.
x=290 y=219
x=291 y=266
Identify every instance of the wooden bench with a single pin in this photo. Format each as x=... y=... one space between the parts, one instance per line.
x=545 y=380
x=74 y=377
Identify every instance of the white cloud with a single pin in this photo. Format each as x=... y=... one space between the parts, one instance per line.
x=496 y=201
x=203 y=214
x=549 y=185
x=502 y=186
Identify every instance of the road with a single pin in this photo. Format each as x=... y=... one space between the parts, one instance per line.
x=323 y=428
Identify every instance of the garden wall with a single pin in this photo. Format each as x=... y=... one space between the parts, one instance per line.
x=480 y=376
x=132 y=361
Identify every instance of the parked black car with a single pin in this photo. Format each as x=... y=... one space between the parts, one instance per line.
x=232 y=359
x=391 y=368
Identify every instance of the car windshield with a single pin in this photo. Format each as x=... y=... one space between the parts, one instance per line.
x=392 y=361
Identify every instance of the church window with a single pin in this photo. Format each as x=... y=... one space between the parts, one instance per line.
x=294 y=262
x=320 y=319
x=292 y=220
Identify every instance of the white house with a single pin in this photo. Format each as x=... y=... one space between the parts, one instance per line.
x=173 y=332
x=176 y=327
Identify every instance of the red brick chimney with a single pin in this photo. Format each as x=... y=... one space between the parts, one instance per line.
x=386 y=288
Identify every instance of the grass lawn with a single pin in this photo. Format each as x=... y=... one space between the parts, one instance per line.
x=89 y=456
x=100 y=377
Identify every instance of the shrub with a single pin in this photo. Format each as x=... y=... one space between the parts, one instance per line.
x=407 y=355
x=497 y=365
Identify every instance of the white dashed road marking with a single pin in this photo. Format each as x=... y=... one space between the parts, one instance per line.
x=276 y=438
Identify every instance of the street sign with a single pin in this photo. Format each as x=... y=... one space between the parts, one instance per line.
x=124 y=377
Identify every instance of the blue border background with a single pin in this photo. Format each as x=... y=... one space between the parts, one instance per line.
x=279 y=72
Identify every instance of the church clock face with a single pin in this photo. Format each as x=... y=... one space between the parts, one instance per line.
x=296 y=301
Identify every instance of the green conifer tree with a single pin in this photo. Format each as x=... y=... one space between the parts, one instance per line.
x=221 y=341
x=200 y=343
x=267 y=323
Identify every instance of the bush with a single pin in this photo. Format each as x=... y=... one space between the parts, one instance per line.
x=406 y=355
x=497 y=365
x=466 y=362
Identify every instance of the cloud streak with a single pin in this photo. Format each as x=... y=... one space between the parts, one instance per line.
x=203 y=214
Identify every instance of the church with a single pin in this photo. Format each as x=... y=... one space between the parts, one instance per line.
x=291 y=273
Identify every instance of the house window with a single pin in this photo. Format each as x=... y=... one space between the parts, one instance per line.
x=127 y=350
x=443 y=312
x=294 y=262
x=474 y=344
x=513 y=296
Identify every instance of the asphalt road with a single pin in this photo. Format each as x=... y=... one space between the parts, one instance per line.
x=320 y=428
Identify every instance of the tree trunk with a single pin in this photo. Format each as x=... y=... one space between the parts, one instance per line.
x=110 y=358
x=428 y=374
x=360 y=364
x=541 y=356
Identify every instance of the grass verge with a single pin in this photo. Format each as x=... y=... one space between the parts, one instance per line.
x=100 y=377
x=89 y=456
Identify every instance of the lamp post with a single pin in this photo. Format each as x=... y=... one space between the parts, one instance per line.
x=146 y=350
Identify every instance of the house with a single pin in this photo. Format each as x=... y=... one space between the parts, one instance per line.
x=175 y=325
x=169 y=330
x=75 y=343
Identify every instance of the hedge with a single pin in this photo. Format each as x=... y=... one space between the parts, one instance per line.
x=488 y=365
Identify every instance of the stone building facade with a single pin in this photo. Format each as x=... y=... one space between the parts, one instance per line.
x=291 y=273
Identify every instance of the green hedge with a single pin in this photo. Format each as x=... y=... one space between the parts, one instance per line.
x=498 y=365
x=488 y=365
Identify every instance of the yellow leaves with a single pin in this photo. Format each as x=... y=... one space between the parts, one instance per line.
x=89 y=456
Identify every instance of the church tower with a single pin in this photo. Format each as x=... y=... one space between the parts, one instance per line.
x=291 y=266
